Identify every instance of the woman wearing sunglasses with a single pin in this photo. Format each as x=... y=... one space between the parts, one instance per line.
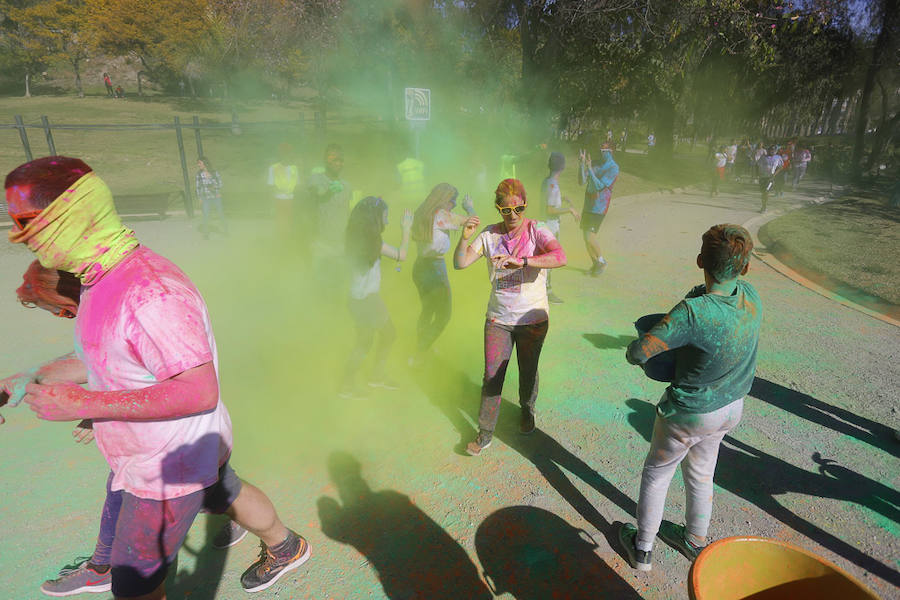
x=519 y=250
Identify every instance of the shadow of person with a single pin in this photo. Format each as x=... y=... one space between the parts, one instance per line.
x=203 y=582
x=413 y=556
x=758 y=478
x=827 y=415
x=457 y=397
x=608 y=342
x=533 y=554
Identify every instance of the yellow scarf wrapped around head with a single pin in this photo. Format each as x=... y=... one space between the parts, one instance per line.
x=80 y=232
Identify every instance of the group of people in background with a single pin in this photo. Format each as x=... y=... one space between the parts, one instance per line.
x=772 y=166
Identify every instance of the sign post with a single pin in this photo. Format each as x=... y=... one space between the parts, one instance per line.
x=417 y=110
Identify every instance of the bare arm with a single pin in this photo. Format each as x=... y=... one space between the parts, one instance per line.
x=191 y=392
x=399 y=254
x=465 y=255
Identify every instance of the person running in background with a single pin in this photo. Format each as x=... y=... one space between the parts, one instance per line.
x=651 y=142
x=365 y=247
x=800 y=160
x=720 y=160
x=283 y=179
x=109 y=86
x=731 y=154
x=147 y=354
x=330 y=196
x=519 y=250
x=553 y=201
x=208 y=184
x=766 y=165
x=597 y=195
x=432 y=223
x=715 y=334
x=780 y=174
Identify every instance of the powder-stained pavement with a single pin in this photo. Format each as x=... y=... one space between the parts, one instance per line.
x=391 y=507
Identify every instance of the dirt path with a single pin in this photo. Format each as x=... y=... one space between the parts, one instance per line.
x=391 y=507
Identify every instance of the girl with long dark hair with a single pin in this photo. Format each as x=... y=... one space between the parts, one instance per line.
x=365 y=247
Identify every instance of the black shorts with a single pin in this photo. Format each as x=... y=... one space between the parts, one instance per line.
x=590 y=222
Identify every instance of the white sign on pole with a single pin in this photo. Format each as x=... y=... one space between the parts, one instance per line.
x=418 y=104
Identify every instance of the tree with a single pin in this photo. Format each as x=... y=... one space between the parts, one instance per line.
x=25 y=51
x=884 y=52
x=56 y=25
x=159 y=33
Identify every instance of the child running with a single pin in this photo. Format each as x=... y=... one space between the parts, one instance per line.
x=520 y=251
x=431 y=227
x=148 y=356
x=715 y=333
x=365 y=248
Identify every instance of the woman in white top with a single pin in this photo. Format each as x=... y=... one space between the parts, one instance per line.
x=365 y=248
x=520 y=251
x=431 y=228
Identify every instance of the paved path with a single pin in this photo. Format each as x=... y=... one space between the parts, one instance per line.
x=391 y=507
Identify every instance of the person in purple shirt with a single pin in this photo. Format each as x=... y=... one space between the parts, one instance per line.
x=599 y=179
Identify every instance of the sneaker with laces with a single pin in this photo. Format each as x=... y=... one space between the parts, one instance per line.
x=269 y=568
x=79 y=578
x=676 y=536
x=230 y=534
x=638 y=559
x=482 y=442
x=526 y=422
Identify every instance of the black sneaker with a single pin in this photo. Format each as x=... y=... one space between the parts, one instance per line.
x=638 y=559
x=268 y=568
x=481 y=442
x=674 y=535
x=78 y=579
x=230 y=534
x=526 y=422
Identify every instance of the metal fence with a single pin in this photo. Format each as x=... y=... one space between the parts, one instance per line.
x=317 y=120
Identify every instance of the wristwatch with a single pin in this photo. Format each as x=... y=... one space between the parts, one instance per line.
x=524 y=262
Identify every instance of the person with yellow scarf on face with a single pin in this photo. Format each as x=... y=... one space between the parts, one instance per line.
x=146 y=352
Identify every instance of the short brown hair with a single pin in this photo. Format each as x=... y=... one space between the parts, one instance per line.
x=726 y=251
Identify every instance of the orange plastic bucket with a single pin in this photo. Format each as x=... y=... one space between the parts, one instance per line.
x=753 y=568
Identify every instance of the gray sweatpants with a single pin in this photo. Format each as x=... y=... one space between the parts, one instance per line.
x=691 y=440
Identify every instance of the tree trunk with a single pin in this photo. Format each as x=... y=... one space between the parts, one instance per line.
x=664 y=127
x=890 y=18
x=28 y=85
x=78 y=86
x=140 y=87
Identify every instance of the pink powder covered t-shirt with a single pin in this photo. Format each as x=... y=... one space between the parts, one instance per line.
x=142 y=323
x=518 y=296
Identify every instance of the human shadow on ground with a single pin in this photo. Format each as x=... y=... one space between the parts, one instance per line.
x=758 y=478
x=412 y=555
x=459 y=398
x=533 y=554
x=604 y=341
x=827 y=415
